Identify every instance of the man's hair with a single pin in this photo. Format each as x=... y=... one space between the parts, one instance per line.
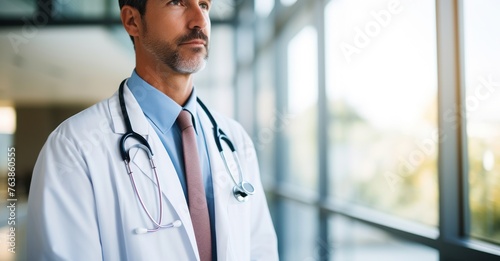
x=140 y=5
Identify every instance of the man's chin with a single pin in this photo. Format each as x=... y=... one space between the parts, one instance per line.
x=190 y=67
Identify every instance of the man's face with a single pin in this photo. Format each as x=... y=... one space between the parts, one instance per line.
x=177 y=33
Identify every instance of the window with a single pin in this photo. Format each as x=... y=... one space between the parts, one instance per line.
x=215 y=82
x=64 y=9
x=269 y=120
x=302 y=109
x=10 y=8
x=482 y=106
x=382 y=94
x=300 y=241
x=387 y=172
x=288 y=2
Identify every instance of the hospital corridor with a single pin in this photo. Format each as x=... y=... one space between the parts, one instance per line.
x=364 y=130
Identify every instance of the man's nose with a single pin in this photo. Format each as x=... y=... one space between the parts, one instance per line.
x=198 y=18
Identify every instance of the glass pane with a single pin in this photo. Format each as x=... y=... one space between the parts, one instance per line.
x=64 y=9
x=301 y=119
x=355 y=241
x=268 y=124
x=382 y=92
x=19 y=8
x=482 y=102
x=288 y=2
x=263 y=7
x=224 y=9
x=215 y=83
x=298 y=237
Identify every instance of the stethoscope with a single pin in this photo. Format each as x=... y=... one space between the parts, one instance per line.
x=241 y=189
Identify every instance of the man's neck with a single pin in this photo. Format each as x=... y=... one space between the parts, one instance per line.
x=175 y=85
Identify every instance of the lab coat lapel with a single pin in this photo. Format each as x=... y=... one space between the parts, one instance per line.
x=222 y=185
x=139 y=122
x=167 y=175
x=170 y=184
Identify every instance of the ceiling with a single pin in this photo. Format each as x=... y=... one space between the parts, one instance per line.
x=62 y=65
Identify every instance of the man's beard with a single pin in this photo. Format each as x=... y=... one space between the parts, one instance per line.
x=170 y=55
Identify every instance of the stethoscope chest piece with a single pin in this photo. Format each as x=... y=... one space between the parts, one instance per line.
x=242 y=191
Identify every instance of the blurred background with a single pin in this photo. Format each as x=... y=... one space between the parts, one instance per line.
x=376 y=121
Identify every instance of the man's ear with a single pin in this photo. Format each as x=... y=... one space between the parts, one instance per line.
x=131 y=20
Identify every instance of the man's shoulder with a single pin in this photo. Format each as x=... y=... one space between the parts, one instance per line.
x=226 y=122
x=94 y=118
x=231 y=127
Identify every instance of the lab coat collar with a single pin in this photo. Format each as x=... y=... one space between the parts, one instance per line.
x=149 y=100
x=139 y=122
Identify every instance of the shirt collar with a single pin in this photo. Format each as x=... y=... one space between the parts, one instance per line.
x=158 y=107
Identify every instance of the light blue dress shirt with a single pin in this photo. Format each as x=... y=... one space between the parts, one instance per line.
x=161 y=111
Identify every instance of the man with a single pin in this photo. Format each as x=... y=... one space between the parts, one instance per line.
x=86 y=204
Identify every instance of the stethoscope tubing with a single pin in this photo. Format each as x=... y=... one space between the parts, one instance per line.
x=239 y=190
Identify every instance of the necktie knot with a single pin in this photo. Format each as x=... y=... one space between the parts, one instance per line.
x=184 y=120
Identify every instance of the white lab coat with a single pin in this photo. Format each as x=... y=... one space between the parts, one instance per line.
x=82 y=206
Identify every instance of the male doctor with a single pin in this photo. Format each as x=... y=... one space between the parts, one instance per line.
x=85 y=204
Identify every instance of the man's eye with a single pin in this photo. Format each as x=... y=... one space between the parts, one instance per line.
x=205 y=6
x=175 y=2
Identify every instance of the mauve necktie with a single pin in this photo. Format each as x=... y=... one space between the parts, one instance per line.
x=196 y=191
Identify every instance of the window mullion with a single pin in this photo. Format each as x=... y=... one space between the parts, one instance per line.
x=451 y=193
